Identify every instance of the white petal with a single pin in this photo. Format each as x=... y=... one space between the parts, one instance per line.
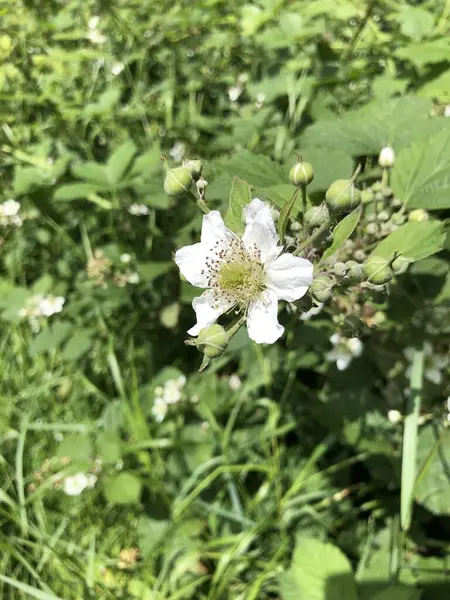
x=260 y=231
x=214 y=230
x=191 y=262
x=335 y=338
x=343 y=361
x=433 y=375
x=355 y=346
x=208 y=309
x=289 y=277
x=262 y=319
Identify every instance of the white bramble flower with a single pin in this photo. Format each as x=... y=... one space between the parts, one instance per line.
x=178 y=151
x=125 y=258
x=9 y=213
x=138 y=209
x=434 y=364
x=344 y=351
x=248 y=274
x=117 y=68
x=73 y=485
x=387 y=157
x=50 y=305
x=159 y=410
x=234 y=382
x=94 y=34
x=169 y=393
x=234 y=92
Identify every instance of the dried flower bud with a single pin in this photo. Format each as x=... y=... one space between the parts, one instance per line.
x=301 y=173
x=386 y=158
x=178 y=182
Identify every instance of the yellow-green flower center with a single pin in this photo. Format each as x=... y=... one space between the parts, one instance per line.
x=242 y=280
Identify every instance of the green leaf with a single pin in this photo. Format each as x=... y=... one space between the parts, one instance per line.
x=278 y=194
x=284 y=215
x=398 y=592
x=147 y=163
x=415 y=22
x=124 y=488
x=318 y=571
x=328 y=165
x=77 y=345
x=77 y=447
x=27 y=179
x=75 y=191
x=150 y=533
x=414 y=240
x=438 y=88
x=50 y=338
x=343 y=231
x=43 y=285
x=29 y=590
x=91 y=171
x=257 y=170
x=109 y=446
x=120 y=160
x=433 y=484
x=421 y=175
x=424 y=53
x=240 y=196
x=148 y=271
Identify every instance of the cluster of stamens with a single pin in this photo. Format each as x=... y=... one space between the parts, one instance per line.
x=234 y=273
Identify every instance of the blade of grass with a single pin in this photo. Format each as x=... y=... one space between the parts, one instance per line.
x=409 y=456
x=28 y=589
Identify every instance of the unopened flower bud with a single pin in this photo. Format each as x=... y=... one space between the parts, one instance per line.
x=194 y=167
x=322 y=288
x=342 y=196
x=340 y=269
x=394 y=416
x=378 y=270
x=386 y=158
x=400 y=265
x=367 y=196
x=178 y=182
x=317 y=215
x=354 y=271
x=212 y=340
x=301 y=173
x=419 y=214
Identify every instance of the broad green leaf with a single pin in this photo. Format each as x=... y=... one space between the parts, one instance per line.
x=151 y=270
x=343 y=231
x=328 y=166
x=423 y=53
x=433 y=484
x=75 y=191
x=109 y=446
x=398 y=592
x=92 y=172
x=78 y=447
x=318 y=571
x=256 y=169
x=124 y=488
x=27 y=179
x=43 y=285
x=414 y=240
x=415 y=22
x=278 y=194
x=150 y=533
x=367 y=130
x=439 y=88
x=120 y=160
x=240 y=196
x=50 y=338
x=147 y=163
x=421 y=175
x=77 y=345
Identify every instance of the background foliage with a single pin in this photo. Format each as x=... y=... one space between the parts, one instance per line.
x=211 y=501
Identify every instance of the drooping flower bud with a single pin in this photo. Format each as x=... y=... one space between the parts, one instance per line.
x=354 y=271
x=378 y=270
x=317 y=215
x=194 y=166
x=301 y=173
x=400 y=265
x=178 y=182
x=322 y=288
x=387 y=157
x=343 y=196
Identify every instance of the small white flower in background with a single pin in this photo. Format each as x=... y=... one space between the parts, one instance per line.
x=394 y=416
x=58 y=436
x=248 y=274
x=387 y=157
x=9 y=213
x=434 y=364
x=234 y=92
x=234 y=382
x=133 y=278
x=94 y=34
x=50 y=305
x=260 y=100
x=73 y=485
x=344 y=351
x=169 y=393
x=125 y=258
x=39 y=306
x=159 y=410
x=117 y=68
x=178 y=151
x=447 y=111
x=312 y=312
x=138 y=209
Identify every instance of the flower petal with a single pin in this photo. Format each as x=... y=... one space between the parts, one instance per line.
x=191 y=262
x=260 y=232
x=355 y=346
x=262 y=319
x=214 y=230
x=289 y=277
x=343 y=361
x=434 y=375
x=208 y=309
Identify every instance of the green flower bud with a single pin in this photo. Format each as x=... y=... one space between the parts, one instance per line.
x=317 y=215
x=354 y=271
x=212 y=340
x=322 y=288
x=378 y=270
x=352 y=327
x=343 y=196
x=419 y=214
x=194 y=167
x=400 y=265
x=340 y=269
x=367 y=196
x=178 y=182
x=377 y=186
x=301 y=173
